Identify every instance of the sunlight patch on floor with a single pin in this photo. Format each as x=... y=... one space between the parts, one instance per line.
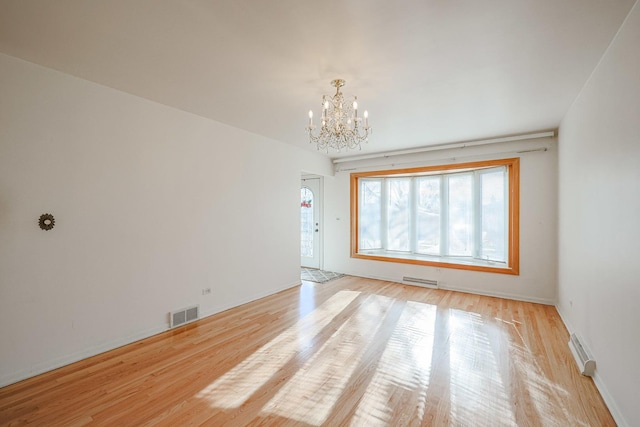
x=236 y=386
x=405 y=364
x=477 y=391
x=543 y=394
x=313 y=391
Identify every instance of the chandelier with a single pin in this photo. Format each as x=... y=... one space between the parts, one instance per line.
x=341 y=127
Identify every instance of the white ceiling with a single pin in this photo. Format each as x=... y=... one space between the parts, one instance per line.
x=429 y=71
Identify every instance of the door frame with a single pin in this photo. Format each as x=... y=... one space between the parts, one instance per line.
x=319 y=198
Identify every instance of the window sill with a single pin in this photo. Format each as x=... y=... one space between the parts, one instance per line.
x=432 y=261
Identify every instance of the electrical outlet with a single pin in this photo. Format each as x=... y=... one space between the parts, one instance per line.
x=206 y=291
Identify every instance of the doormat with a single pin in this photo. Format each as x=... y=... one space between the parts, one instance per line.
x=318 y=276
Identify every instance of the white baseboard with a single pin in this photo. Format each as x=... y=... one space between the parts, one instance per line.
x=249 y=299
x=608 y=400
x=504 y=295
x=564 y=319
x=598 y=381
x=536 y=300
x=59 y=362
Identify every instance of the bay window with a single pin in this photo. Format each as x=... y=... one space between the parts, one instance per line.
x=455 y=216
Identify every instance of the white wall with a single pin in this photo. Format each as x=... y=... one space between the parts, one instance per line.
x=599 y=228
x=152 y=205
x=538 y=206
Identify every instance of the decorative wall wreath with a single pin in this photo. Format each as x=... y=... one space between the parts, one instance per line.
x=46 y=221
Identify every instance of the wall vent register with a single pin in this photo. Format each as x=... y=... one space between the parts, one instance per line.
x=184 y=316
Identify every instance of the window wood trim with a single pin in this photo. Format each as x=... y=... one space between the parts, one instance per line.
x=513 y=259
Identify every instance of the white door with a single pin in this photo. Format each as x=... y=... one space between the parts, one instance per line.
x=310 y=223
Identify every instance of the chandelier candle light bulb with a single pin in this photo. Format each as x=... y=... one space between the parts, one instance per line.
x=341 y=128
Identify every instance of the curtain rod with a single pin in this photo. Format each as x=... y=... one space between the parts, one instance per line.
x=449 y=159
x=445 y=146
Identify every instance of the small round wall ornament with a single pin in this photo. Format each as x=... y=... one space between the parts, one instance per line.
x=46 y=221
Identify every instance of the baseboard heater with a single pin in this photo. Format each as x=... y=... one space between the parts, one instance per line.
x=585 y=361
x=184 y=316
x=427 y=283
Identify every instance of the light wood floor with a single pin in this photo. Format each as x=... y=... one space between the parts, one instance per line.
x=349 y=352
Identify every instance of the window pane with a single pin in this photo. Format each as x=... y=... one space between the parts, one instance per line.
x=398 y=238
x=370 y=209
x=494 y=230
x=428 y=216
x=306 y=222
x=460 y=214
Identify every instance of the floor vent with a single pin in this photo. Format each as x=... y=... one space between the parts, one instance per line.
x=420 y=282
x=184 y=316
x=585 y=362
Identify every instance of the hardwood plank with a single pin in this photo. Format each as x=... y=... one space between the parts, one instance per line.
x=351 y=351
